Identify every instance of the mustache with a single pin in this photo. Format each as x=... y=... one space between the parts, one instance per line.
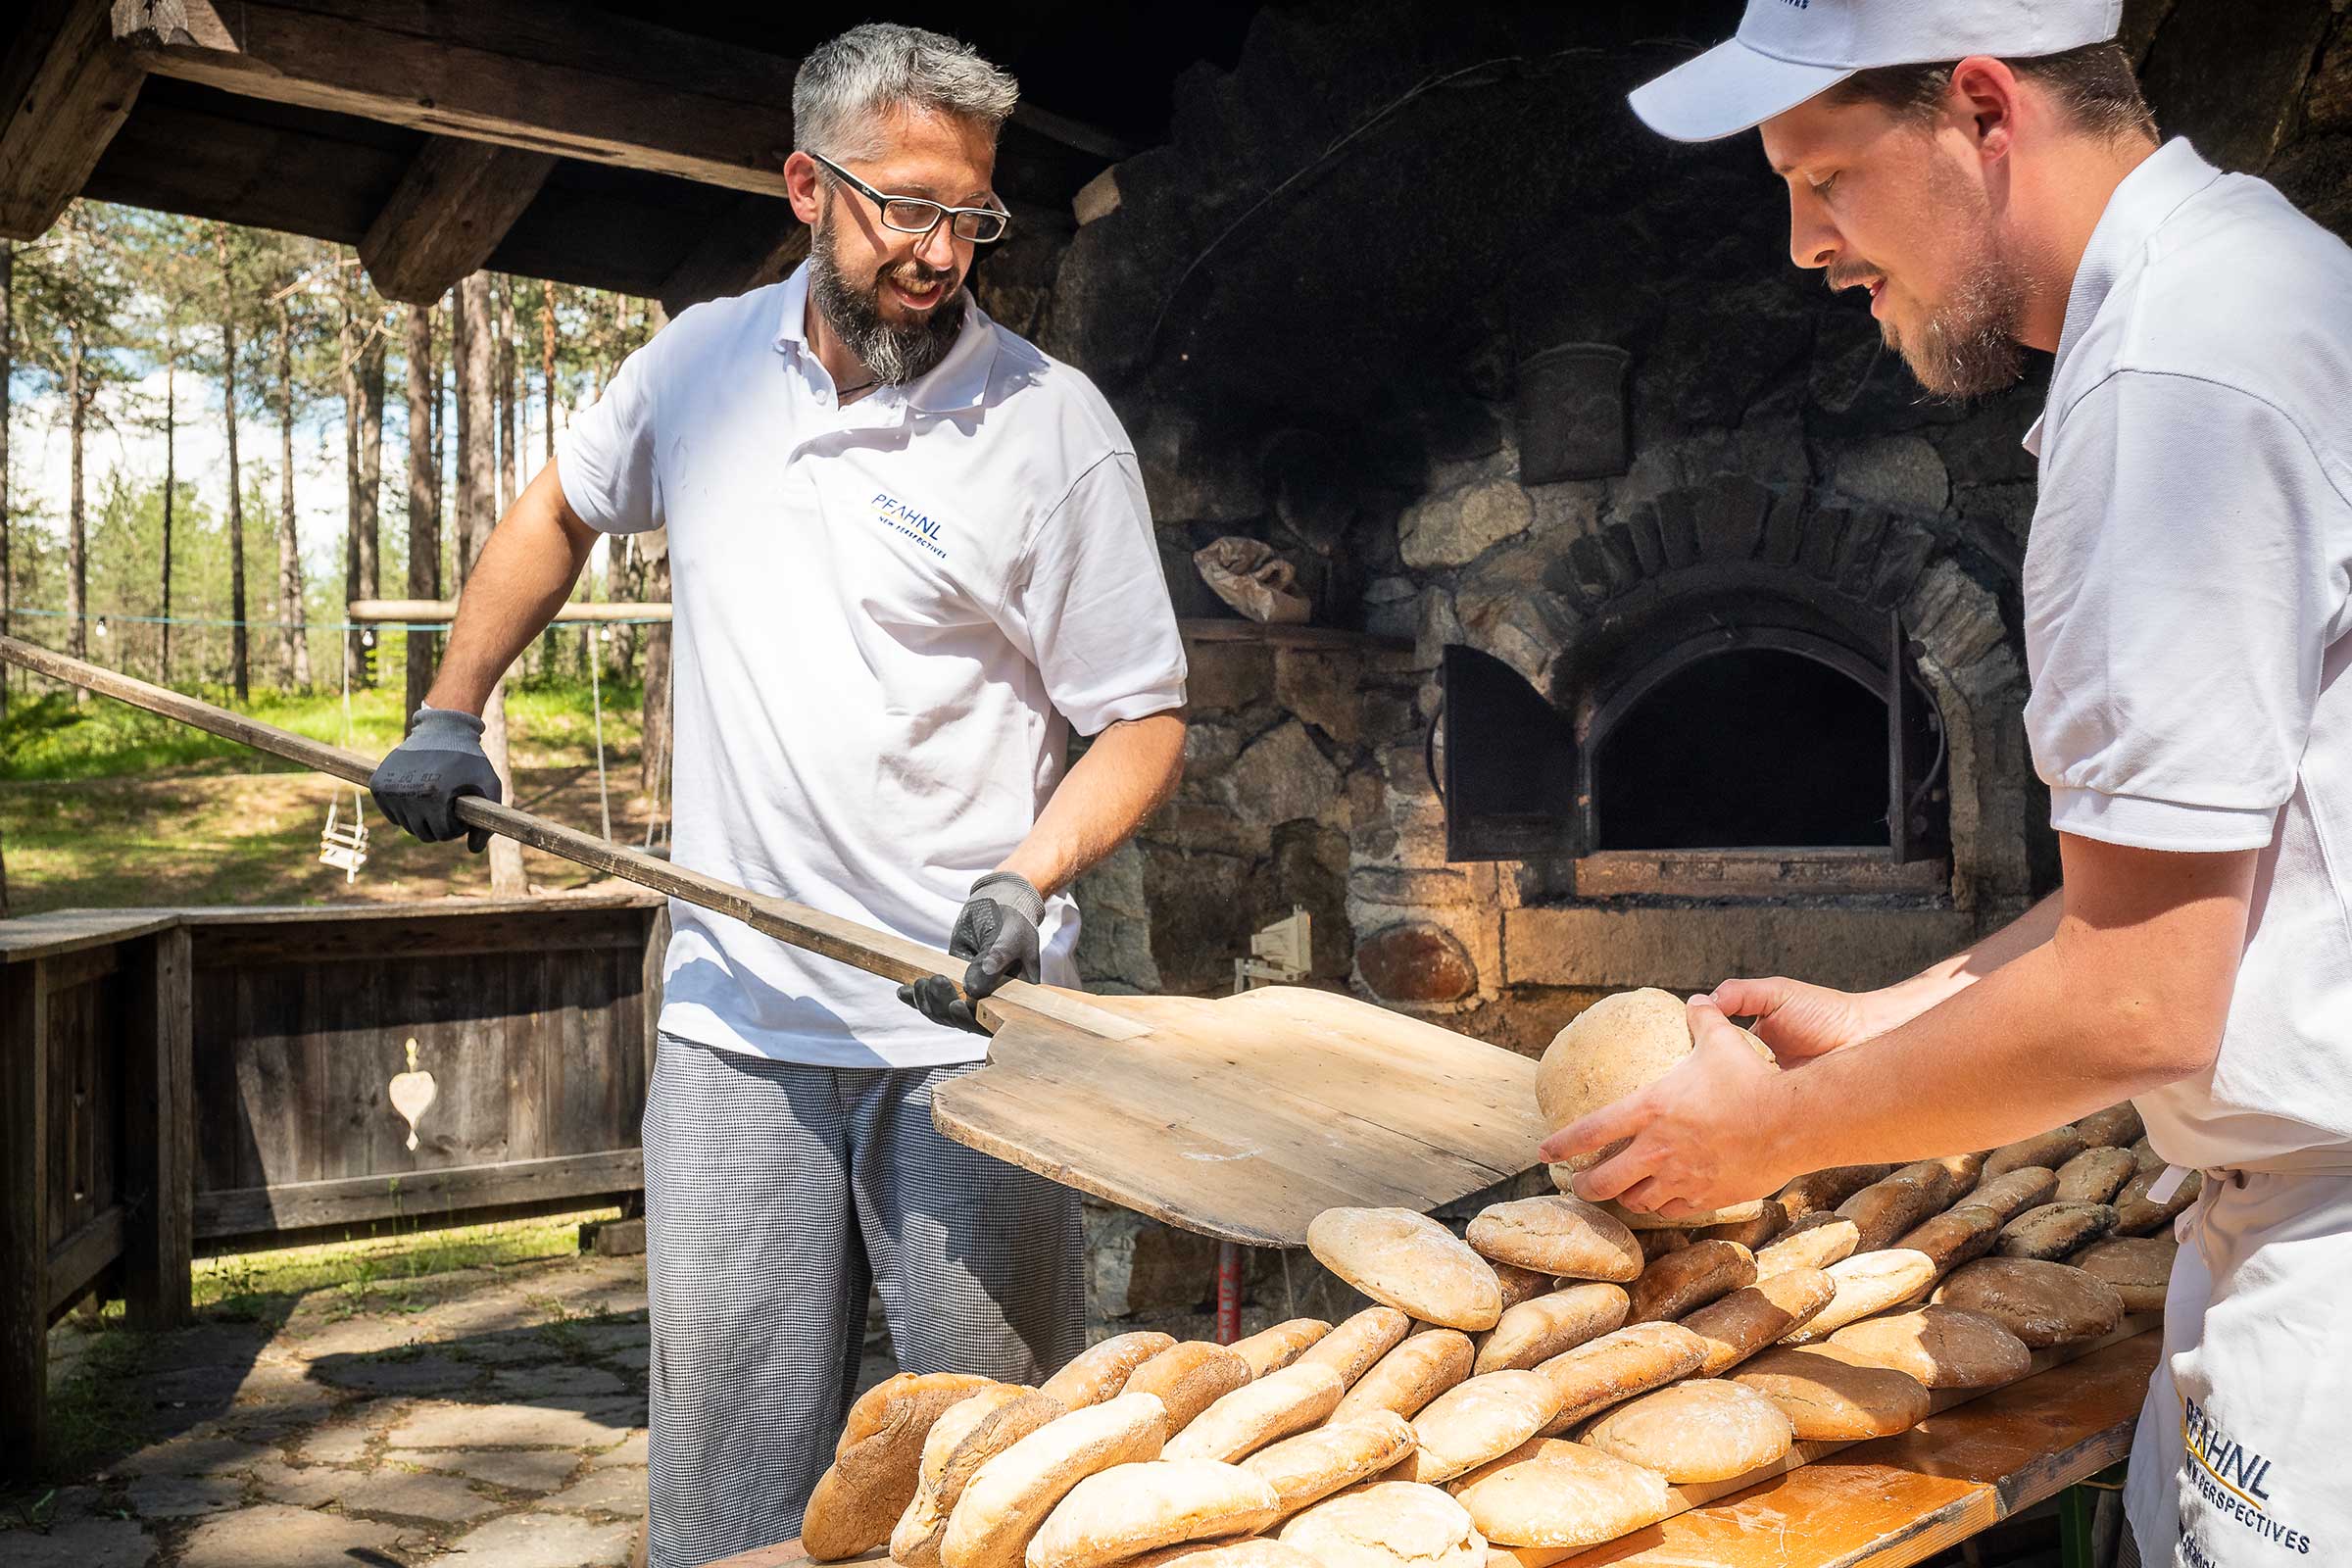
x=1850 y=275
x=914 y=276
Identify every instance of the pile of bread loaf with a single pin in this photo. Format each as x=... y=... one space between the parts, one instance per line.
x=1534 y=1388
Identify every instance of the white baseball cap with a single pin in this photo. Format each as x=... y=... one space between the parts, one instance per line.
x=1788 y=50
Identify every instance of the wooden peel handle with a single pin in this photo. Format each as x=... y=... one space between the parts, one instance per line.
x=881 y=952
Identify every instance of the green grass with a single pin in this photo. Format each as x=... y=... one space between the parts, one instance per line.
x=376 y=1273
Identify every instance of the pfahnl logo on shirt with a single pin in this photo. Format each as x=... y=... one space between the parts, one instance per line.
x=901 y=519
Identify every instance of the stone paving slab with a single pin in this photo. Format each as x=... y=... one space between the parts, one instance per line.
x=419 y=1374
x=83 y=1544
x=537 y=1424
x=304 y=1486
x=199 y=1452
x=558 y=1382
x=541 y=1540
x=515 y=1469
x=184 y=1497
x=275 y=1537
x=616 y=1488
x=633 y=1451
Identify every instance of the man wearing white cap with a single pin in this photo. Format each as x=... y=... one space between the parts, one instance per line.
x=1987 y=171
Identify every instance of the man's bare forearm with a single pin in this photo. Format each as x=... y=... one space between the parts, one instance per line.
x=524 y=575
x=1127 y=773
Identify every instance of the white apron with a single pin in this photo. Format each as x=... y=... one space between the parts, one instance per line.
x=2243 y=1454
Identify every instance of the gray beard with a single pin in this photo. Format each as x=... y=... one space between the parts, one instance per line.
x=892 y=355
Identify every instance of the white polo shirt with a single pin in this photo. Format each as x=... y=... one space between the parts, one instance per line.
x=2188 y=594
x=884 y=615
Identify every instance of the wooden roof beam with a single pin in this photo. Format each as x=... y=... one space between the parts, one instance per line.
x=452 y=209
x=64 y=91
x=756 y=243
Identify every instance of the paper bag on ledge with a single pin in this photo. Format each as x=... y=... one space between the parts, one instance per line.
x=1250 y=576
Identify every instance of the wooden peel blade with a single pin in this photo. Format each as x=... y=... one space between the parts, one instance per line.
x=894 y=957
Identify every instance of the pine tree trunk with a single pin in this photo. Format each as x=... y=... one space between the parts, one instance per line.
x=508 y=414
x=425 y=499
x=296 y=655
x=240 y=668
x=445 y=569
x=371 y=476
x=477 y=491
x=78 y=565
x=171 y=485
x=8 y=365
x=346 y=357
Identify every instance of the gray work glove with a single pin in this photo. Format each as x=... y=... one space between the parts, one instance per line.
x=419 y=781
x=996 y=930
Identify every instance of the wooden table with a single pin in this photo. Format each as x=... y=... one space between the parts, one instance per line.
x=1882 y=1504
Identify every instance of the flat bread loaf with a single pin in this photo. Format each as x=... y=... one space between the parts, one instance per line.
x=1552 y=1493
x=2117 y=1126
x=1098 y=1372
x=1618 y=1366
x=2095 y=1175
x=1770 y=1220
x=1271 y=1350
x=1289 y=1399
x=1118 y=1514
x=1639 y=1220
x=1938 y=1347
x=1409 y=1261
x=1753 y=1316
x=959 y=1443
x=2055 y=1230
x=1411 y=1375
x=2013 y=1191
x=1388 y=1524
x=1867 y=1283
x=1831 y=1397
x=2043 y=1304
x=2138 y=1214
x=878 y=1462
x=1690 y=1277
x=1560 y=1235
x=2049 y=1150
x=1519 y=1284
x=1187 y=1378
x=1539 y=1330
x=1817 y=1240
x=1253 y=1552
x=1953 y=1237
x=1351 y=1349
x=1821 y=1192
x=2140 y=1268
x=1704 y=1430
x=1311 y=1466
x=1471 y=1423
x=1010 y=1496
x=1894 y=1205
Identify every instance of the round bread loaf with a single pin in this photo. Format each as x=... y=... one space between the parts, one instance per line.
x=1938 y=1347
x=2043 y=1304
x=1408 y=1377
x=1702 y=1430
x=1953 y=1237
x=1830 y=1398
x=2144 y=1157
x=2095 y=1175
x=1188 y=1378
x=1771 y=1219
x=1388 y=1524
x=969 y=1434
x=1549 y=1492
x=878 y=1462
x=2049 y=1150
x=1351 y=1349
x=1271 y=1350
x=1098 y=1372
x=2140 y=1268
x=2117 y=1126
x=1817 y=1240
x=1617 y=1366
x=1289 y=1399
x=1409 y=1261
x=1690 y=1277
x=1118 y=1514
x=2137 y=1215
x=1821 y=1192
x=1539 y=1330
x=1474 y=1421
x=1562 y=1236
x=1010 y=1496
x=1894 y=1205
x=1253 y=1552
x=1867 y=1283
x=1311 y=1466
x=2055 y=1230
x=2013 y=1191
x=1755 y=1315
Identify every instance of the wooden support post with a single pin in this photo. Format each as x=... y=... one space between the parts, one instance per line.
x=451 y=210
x=65 y=89
x=24 y=1158
x=159 y=1131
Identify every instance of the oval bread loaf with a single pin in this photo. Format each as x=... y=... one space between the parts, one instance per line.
x=1821 y=1192
x=1539 y=1330
x=1312 y=1465
x=1867 y=1283
x=1549 y=1492
x=2117 y=1126
x=1894 y=1205
x=1408 y=1377
x=2013 y=1191
x=963 y=1440
x=1817 y=1240
x=2137 y=1215
x=1289 y=1399
x=1252 y=1551
x=1639 y=1220
x=1098 y=1372
x=1473 y=1422
x=878 y=1462
x=1938 y=1347
x=1562 y=1236
x=1187 y=1378
x=1702 y=1430
x=1118 y=1514
x=1519 y=1284
x=1353 y=1348
x=1756 y=1315
x=1618 y=1366
x=1657 y=1244
x=1690 y=1277
x=2095 y=1175
x=1965 y=1170
x=2043 y=1304
x=1271 y=1350
x=1771 y=1219
x=1409 y=1261
x=1953 y=1237
x=1830 y=1398
x=1010 y=1496
x=2140 y=1268
x=1388 y=1524
x=2049 y=1150
x=2055 y=1230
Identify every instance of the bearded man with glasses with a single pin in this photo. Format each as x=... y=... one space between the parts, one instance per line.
x=908 y=553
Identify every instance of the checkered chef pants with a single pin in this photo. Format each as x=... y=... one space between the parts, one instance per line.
x=774 y=1193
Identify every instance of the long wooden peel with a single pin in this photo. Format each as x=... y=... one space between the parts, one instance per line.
x=892 y=957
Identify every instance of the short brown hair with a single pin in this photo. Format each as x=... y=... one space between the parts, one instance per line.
x=2095 y=87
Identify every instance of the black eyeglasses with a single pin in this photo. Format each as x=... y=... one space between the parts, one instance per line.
x=917 y=215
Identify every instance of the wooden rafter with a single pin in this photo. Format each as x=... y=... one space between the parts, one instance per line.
x=453 y=207
x=64 y=91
